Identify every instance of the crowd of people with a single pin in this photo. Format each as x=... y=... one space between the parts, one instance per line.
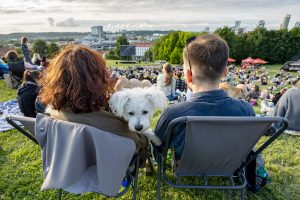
x=254 y=85
x=77 y=84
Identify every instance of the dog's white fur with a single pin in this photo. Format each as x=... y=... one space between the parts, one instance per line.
x=137 y=106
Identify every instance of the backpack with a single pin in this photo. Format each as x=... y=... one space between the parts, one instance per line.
x=256 y=175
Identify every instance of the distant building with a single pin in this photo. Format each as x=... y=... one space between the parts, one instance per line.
x=141 y=48
x=240 y=31
x=236 y=26
x=297 y=24
x=206 y=29
x=261 y=23
x=285 y=22
x=97 y=31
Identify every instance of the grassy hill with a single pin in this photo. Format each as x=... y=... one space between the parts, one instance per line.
x=22 y=177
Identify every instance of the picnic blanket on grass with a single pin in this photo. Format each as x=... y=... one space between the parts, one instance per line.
x=8 y=108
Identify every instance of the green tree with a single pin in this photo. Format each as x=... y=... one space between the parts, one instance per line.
x=112 y=55
x=230 y=37
x=176 y=56
x=149 y=55
x=52 y=49
x=121 y=40
x=40 y=47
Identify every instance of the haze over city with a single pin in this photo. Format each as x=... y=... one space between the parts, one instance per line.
x=193 y=15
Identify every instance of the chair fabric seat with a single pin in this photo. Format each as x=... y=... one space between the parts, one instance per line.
x=80 y=158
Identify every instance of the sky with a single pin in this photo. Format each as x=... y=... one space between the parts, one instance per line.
x=114 y=15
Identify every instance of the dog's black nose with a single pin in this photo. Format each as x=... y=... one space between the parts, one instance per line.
x=138 y=127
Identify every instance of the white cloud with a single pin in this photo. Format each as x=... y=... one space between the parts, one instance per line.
x=70 y=22
x=143 y=14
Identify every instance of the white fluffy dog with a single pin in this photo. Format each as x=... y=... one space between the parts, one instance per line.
x=137 y=106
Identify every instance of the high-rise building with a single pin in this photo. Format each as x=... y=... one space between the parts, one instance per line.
x=240 y=31
x=285 y=22
x=236 y=26
x=97 y=31
x=261 y=23
x=206 y=29
x=297 y=24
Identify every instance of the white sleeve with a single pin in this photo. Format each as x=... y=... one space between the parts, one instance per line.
x=28 y=66
x=173 y=86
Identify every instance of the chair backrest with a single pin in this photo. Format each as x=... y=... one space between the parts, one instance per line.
x=219 y=145
x=27 y=123
x=80 y=158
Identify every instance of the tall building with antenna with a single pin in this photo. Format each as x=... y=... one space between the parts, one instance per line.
x=261 y=23
x=285 y=22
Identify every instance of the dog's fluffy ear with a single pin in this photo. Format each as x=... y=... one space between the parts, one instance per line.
x=117 y=102
x=156 y=97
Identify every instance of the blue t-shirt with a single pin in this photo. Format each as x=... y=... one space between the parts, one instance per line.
x=3 y=66
x=210 y=103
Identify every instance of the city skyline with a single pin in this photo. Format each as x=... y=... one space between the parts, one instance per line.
x=114 y=15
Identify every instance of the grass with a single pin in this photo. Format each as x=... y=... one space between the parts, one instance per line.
x=21 y=170
x=115 y=63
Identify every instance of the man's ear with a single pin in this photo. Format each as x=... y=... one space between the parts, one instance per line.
x=189 y=76
x=225 y=71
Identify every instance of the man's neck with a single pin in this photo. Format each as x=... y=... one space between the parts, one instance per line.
x=204 y=87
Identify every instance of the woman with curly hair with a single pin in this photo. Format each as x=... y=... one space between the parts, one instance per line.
x=76 y=89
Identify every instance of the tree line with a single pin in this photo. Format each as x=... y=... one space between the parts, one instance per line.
x=274 y=46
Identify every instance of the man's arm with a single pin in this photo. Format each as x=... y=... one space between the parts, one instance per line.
x=161 y=127
x=280 y=108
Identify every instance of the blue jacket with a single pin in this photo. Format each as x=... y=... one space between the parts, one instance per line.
x=3 y=66
x=211 y=103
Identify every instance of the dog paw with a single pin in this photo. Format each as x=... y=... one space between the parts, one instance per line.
x=156 y=141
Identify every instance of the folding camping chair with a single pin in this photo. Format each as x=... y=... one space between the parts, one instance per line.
x=31 y=126
x=217 y=147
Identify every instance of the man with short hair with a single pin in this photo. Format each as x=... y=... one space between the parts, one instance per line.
x=205 y=59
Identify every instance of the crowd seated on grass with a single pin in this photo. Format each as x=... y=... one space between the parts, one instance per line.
x=77 y=86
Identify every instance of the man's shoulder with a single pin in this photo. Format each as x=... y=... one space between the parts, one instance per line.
x=177 y=110
x=243 y=106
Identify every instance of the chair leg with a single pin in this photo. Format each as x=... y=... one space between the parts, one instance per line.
x=243 y=193
x=59 y=194
x=136 y=179
x=158 y=195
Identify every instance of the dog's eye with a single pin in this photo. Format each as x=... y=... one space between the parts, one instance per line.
x=145 y=112
x=131 y=113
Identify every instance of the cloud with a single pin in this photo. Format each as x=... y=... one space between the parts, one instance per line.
x=70 y=22
x=10 y=11
x=51 y=21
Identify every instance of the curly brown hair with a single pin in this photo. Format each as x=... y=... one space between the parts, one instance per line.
x=77 y=79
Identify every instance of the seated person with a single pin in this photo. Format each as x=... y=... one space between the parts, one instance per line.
x=205 y=60
x=167 y=83
x=76 y=89
x=36 y=59
x=288 y=106
x=253 y=95
x=180 y=84
x=28 y=92
x=278 y=95
x=3 y=66
x=16 y=65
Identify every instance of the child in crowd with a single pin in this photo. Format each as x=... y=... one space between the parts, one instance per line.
x=28 y=92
